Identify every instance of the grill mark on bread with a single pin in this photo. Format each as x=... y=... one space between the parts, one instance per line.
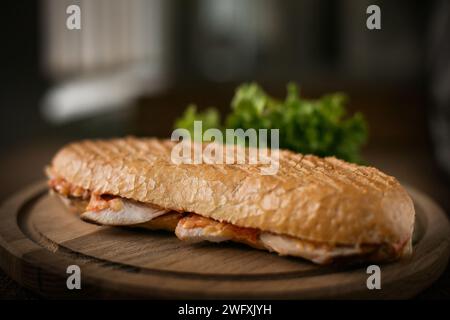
x=331 y=167
x=326 y=199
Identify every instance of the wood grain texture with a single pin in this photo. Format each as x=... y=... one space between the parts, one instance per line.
x=39 y=238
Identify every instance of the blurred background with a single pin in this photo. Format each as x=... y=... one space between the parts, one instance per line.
x=134 y=66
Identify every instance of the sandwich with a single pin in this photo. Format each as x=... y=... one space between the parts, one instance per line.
x=320 y=209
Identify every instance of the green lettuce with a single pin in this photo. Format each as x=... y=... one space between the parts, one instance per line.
x=321 y=126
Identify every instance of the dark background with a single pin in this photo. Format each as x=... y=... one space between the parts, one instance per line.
x=399 y=77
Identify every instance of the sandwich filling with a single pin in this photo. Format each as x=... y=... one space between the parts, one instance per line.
x=195 y=228
x=116 y=211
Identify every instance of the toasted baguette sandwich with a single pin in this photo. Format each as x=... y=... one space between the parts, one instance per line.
x=319 y=209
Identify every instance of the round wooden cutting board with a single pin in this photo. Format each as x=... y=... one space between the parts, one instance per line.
x=40 y=238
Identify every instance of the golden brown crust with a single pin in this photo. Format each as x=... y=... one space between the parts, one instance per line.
x=317 y=199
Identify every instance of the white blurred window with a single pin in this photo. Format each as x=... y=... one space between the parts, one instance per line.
x=121 y=51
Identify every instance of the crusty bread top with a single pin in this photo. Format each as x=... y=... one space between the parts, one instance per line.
x=318 y=199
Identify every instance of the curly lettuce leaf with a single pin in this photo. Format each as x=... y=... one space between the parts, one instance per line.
x=210 y=119
x=319 y=126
